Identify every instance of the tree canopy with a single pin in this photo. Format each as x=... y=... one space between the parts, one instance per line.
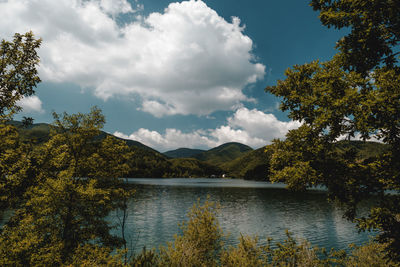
x=74 y=187
x=61 y=190
x=374 y=31
x=355 y=94
x=18 y=70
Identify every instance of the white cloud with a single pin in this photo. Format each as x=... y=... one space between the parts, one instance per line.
x=358 y=137
x=186 y=60
x=115 y=7
x=31 y=104
x=171 y=139
x=260 y=124
x=251 y=127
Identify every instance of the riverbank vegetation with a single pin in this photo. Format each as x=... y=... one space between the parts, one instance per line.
x=201 y=244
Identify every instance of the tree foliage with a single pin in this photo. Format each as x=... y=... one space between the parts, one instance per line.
x=355 y=94
x=201 y=240
x=18 y=73
x=75 y=186
x=17 y=166
x=374 y=31
x=18 y=77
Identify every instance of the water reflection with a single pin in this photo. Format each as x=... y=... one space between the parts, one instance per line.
x=252 y=208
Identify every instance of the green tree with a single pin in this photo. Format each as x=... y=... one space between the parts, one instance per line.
x=17 y=167
x=18 y=73
x=357 y=93
x=374 y=31
x=27 y=121
x=77 y=185
x=18 y=77
x=61 y=191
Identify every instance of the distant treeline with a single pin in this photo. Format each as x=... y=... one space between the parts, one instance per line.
x=232 y=160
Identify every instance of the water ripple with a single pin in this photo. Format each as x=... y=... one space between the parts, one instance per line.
x=248 y=207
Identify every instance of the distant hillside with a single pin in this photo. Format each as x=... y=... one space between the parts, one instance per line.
x=252 y=165
x=145 y=163
x=223 y=153
x=363 y=150
x=131 y=143
x=233 y=159
x=217 y=156
x=183 y=153
x=190 y=167
x=40 y=133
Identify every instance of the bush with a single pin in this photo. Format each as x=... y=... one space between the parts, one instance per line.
x=200 y=244
x=201 y=241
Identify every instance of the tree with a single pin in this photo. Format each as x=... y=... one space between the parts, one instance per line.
x=374 y=36
x=76 y=186
x=61 y=191
x=17 y=168
x=18 y=77
x=355 y=94
x=18 y=73
x=27 y=121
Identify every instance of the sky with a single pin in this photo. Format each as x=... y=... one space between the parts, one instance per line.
x=169 y=74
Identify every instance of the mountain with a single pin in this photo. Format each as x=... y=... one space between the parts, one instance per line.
x=252 y=165
x=229 y=158
x=190 y=167
x=145 y=163
x=183 y=153
x=217 y=155
x=40 y=133
x=130 y=143
x=223 y=153
x=233 y=159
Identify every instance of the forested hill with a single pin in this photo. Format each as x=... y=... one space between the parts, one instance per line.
x=146 y=161
x=217 y=155
x=252 y=165
x=223 y=153
x=40 y=133
x=183 y=153
x=232 y=159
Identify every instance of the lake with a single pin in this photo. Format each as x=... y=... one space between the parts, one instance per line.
x=248 y=207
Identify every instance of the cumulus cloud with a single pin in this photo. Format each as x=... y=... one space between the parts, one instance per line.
x=260 y=124
x=186 y=60
x=31 y=104
x=252 y=127
x=171 y=139
x=115 y=7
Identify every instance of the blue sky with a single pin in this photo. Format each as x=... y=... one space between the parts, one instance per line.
x=170 y=74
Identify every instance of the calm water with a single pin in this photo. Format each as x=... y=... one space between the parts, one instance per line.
x=248 y=207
